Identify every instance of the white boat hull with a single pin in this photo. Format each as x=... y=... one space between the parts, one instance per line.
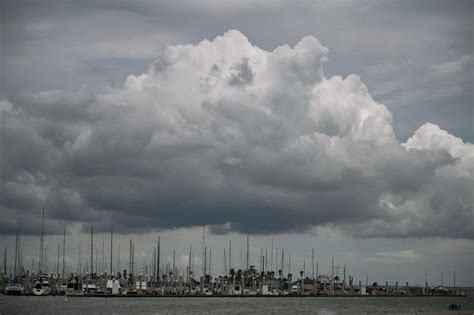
x=42 y=291
x=14 y=291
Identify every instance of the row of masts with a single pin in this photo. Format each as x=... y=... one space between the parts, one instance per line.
x=157 y=267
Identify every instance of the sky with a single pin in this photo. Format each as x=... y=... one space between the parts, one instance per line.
x=343 y=126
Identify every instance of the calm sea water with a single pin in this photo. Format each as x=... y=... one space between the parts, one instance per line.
x=318 y=305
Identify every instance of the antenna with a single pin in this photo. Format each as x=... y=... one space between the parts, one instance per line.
x=312 y=262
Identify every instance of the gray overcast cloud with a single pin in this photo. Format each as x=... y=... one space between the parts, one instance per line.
x=243 y=139
x=251 y=117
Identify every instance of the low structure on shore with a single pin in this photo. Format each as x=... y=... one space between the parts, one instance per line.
x=236 y=283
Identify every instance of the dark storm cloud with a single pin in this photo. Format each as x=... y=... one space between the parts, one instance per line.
x=229 y=135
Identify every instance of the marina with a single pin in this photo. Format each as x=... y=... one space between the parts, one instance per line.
x=170 y=279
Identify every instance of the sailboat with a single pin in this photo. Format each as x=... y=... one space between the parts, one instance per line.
x=15 y=287
x=41 y=285
x=74 y=285
x=41 y=281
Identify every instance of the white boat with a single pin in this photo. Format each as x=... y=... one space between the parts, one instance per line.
x=140 y=284
x=14 y=289
x=114 y=287
x=207 y=291
x=89 y=287
x=41 y=286
x=74 y=286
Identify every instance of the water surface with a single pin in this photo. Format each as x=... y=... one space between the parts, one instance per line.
x=235 y=305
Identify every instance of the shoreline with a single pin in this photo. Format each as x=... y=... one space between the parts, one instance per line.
x=246 y=296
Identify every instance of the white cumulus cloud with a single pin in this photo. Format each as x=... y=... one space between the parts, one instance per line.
x=227 y=134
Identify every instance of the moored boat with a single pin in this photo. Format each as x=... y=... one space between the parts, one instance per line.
x=41 y=285
x=14 y=289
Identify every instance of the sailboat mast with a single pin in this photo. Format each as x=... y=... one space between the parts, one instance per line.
x=247 y=265
x=189 y=266
x=130 y=258
x=118 y=259
x=276 y=259
x=57 y=263
x=271 y=258
x=40 y=265
x=241 y=256
x=225 y=263
x=103 y=261
x=5 y=261
x=16 y=252
x=111 y=249
x=266 y=259
x=92 y=249
x=174 y=266
x=205 y=257
x=158 y=260
x=204 y=250
x=230 y=254
x=64 y=254
x=289 y=263
x=282 y=261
